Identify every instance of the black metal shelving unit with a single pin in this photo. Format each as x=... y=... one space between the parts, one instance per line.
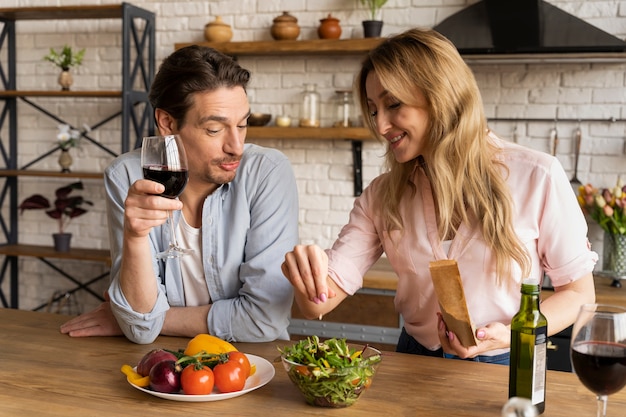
x=138 y=69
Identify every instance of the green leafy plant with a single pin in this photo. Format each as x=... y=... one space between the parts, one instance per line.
x=65 y=58
x=606 y=206
x=373 y=6
x=65 y=208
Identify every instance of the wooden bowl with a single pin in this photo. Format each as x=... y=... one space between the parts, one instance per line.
x=259 y=119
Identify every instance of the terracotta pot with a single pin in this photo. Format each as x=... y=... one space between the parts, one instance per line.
x=285 y=27
x=218 y=31
x=65 y=80
x=329 y=28
x=62 y=241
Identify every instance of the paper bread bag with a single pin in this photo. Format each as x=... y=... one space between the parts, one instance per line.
x=449 y=289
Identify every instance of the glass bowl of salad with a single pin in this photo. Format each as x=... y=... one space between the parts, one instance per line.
x=330 y=373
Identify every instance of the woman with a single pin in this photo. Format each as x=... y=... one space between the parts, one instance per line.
x=452 y=190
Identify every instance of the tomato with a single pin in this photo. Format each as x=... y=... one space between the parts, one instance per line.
x=242 y=359
x=197 y=380
x=230 y=376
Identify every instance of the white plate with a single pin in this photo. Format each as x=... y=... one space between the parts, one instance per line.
x=264 y=374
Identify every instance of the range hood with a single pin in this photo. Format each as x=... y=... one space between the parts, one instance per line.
x=512 y=27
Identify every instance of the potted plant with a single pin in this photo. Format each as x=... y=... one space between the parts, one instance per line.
x=607 y=206
x=65 y=59
x=65 y=208
x=67 y=138
x=373 y=27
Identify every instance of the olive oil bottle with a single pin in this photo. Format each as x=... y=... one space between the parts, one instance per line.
x=529 y=342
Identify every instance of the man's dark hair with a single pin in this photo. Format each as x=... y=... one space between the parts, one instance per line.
x=190 y=70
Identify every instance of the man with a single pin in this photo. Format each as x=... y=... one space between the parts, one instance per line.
x=239 y=212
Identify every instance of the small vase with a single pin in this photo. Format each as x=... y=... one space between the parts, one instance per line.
x=66 y=80
x=62 y=241
x=372 y=28
x=65 y=160
x=614 y=254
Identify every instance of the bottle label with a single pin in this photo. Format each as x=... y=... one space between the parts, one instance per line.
x=539 y=365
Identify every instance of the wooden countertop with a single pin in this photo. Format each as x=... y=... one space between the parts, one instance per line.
x=46 y=373
x=381 y=276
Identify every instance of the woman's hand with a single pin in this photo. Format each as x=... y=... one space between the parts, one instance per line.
x=306 y=268
x=491 y=337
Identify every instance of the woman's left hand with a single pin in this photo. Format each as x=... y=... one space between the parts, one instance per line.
x=490 y=337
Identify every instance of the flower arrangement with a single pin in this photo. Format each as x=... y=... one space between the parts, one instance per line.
x=68 y=137
x=65 y=58
x=606 y=206
x=373 y=6
x=65 y=208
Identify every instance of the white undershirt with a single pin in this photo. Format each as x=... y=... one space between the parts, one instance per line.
x=194 y=283
x=445 y=245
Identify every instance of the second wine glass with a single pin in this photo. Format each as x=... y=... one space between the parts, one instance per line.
x=163 y=159
x=598 y=350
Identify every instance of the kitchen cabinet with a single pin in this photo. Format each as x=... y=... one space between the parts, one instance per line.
x=368 y=316
x=559 y=344
x=137 y=55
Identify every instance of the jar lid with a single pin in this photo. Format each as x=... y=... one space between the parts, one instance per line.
x=285 y=17
x=329 y=18
x=217 y=22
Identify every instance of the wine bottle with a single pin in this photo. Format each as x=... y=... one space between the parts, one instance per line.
x=529 y=342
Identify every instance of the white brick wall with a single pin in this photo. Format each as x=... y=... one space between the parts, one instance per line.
x=323 y=168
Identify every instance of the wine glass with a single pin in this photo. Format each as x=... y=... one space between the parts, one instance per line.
x=163 y=160
x=598 y=350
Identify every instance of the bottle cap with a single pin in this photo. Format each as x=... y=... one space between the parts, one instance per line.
x=519 y=407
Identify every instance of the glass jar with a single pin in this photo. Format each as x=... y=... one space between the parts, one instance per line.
x=310 y=111
x=344 y=114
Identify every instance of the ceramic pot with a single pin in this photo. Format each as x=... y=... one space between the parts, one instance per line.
x=62 y=241
x=65 y=160
x=65 y=80
x=329 y=28
x=285 y=27
x=372 y=28
x=218 y=31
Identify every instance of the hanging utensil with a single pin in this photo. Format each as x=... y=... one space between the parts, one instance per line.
x=578 y=137
x=554 y=139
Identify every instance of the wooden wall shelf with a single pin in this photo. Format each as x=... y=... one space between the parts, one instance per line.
x=59 y=93
x=309 y=47
x=63 y=12
x=96 y=255
x=58 y=174
x=333 y=47
x=323 y=133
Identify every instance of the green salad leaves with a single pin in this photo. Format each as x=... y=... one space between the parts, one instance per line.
x=330 y=373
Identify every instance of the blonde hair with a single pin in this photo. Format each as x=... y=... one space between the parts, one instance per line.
x=466 y=175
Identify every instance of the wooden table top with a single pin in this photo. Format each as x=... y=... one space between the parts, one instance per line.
x=46 y=373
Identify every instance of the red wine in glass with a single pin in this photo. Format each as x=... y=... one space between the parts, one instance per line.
x=163 y=159
x=598 y=350
x=173 y=180
x=600 y=366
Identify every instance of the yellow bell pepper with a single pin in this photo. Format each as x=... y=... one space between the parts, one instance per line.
x=134 y=377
